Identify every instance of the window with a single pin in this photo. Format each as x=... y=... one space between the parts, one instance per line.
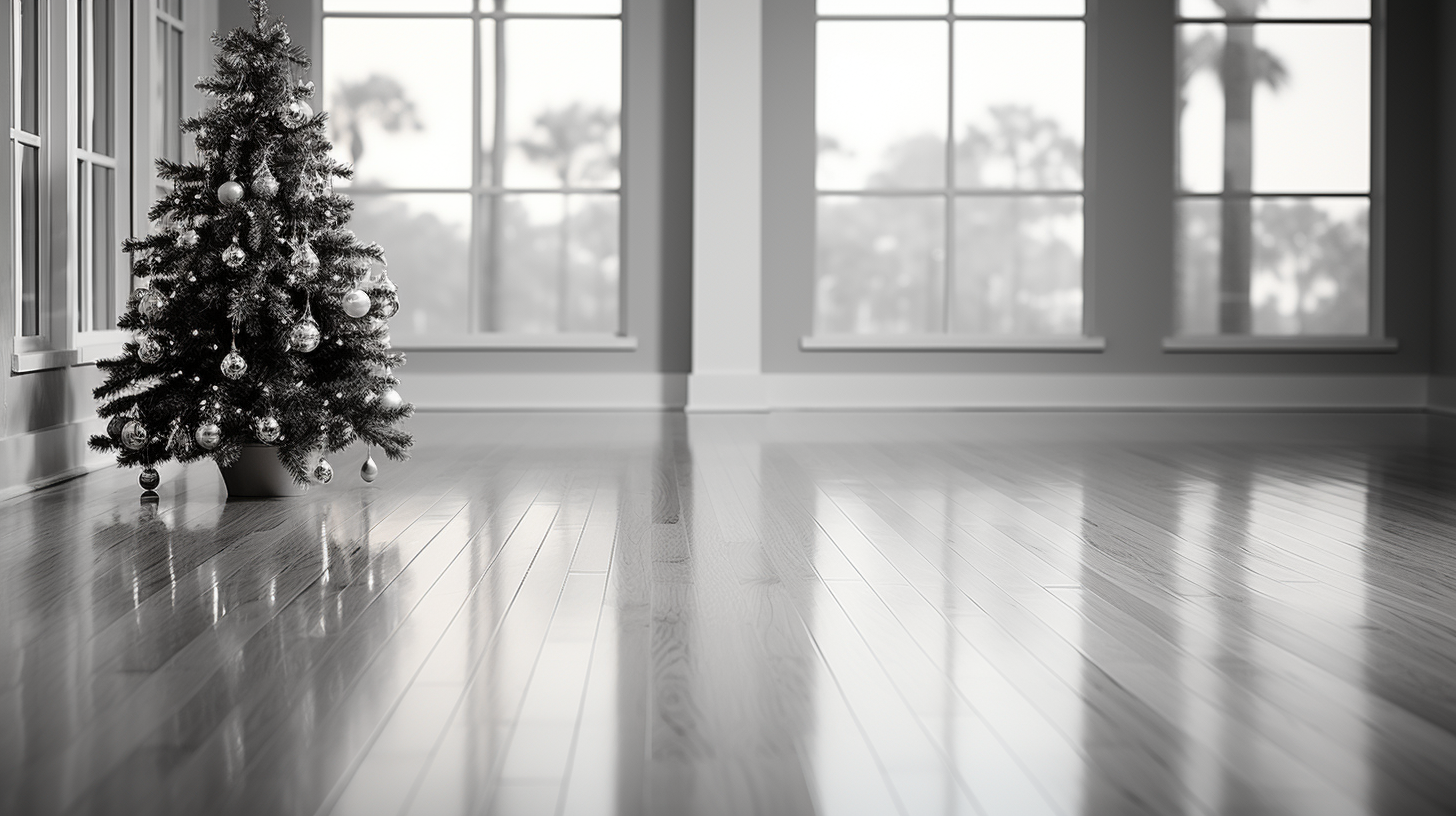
x=27 y=117
x=949 y=167
x=1275 y=146
x=498 y=199
x=99 y=298
x=165 y=109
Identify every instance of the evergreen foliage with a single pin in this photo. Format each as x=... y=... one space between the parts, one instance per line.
x=299 y=263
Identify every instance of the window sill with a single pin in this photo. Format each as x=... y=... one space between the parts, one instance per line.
x=92 y=353
x=518 y=342
x=948 y=342
x=24 y=362
x=1239 y=344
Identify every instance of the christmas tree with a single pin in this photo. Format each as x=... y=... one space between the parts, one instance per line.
x=263 y=322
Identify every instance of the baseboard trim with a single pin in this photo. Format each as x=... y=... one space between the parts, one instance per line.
x=577 y=391
x=42 y=458
x=1442 y=395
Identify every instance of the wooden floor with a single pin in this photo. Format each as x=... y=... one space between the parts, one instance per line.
x=659 y=614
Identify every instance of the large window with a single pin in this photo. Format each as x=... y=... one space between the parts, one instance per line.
x=99 y=297
x=949 y=172
x=1275 y=171
x=485 y=141
x=27 y=116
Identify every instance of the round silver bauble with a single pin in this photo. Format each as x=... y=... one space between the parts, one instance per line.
x=369 y=471
x=391 y=399
x=265 y=185
x=357 y=303
x=388 y=307
x=149 y=302
x=149 y=479
x=230 y=192
x=305 y=335
x=323 y=472
x=208 y=435
x=267 y=429
x=133 y=435
x=149 y=350
x=234 y=256
x=233 y=365
x=114 y=426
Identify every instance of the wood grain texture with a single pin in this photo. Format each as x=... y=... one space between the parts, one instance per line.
x=787 y=614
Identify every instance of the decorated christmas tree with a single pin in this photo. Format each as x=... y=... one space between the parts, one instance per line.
x=263 y=321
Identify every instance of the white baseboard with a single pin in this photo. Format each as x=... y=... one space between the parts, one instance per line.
x=34 y=460
x=727 y=393
x=576 y=391
x=1443 y=395
x=1096 y=392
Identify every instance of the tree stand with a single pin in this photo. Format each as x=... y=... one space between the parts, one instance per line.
x=258 y=474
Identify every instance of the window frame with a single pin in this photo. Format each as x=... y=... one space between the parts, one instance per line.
x=42 y=342
x=1088 y=339
x=476 y=337
x=1375 y=338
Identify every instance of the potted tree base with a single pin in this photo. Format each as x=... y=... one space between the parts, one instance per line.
x=258 y=474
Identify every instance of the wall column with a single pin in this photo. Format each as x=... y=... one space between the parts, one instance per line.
x=727 y=207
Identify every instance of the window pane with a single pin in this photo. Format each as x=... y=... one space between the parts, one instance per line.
x=172 y=7
x=1310 y=271
x=397 y=118
x=558 y=263
x=1309 y=108
x=29 y=79
x=103 y=109
x=1019 y=104
x=426 y=238
x=492 y=123
x=565 y=6
x=83 y=58
x=907 y=7
x=167 y=93
x=30 y=289
x=880 y=265
x=1018 y=265
x=412 y=6
x=1311 y=9
x=1022 y=8
x=881 y=99
x=103 y=248
x=563 y=125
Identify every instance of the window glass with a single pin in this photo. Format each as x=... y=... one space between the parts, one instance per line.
x=30 y=284
x=102 y=113
x=896 y=7
x=559 y=263
x=1280 y=9
x=166 y=106
x=28 y=80
x=1018 y=265
x=565 y=6
x=1022 y=8
x=427 y=238
x=880 y=265
x=103 y=249
x=172 y=7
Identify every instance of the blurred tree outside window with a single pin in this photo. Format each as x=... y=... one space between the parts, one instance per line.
x=949 y=169
x=486 y=143
x=1274 y=167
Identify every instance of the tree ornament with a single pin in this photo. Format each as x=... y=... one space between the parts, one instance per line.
x=149 y=350
x=305 y=333
x=369 y=471
x=384 y=284
x=267 y=430
x=356 y=303
x=149 y=302
x=390 y=400
x=149 y=478
x=234 y=255
x=323 y=472
x=208 y=435
x=304 y=259
x=388 y=306
x=265 y=185
x=133 y=434
x=230 y=192
x=233 y=365
x=188 y=239
x=113 y=427
x=295 y=113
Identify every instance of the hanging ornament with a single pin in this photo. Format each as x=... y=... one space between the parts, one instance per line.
x=149 y=478
x=390 y=400
x=133 y=434
x=233 y=365
x=384 y=284
x=149 y=302
x=178 y=442
x=149 y=350
x=230 y=192
x=369 y=471
x=323 y=472
x=208 y=435
x=388 y=305
x=304 y=259
x=265 y=185
x=295 y=113
x=356 y=303
x=267 y=429
x=188 y=239
x=234 y=255
x=114 y=426
x=305 y=334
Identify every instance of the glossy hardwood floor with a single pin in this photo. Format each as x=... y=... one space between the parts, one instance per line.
x=840 y=614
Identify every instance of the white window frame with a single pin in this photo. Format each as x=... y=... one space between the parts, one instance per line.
x=479 y=338
x=39 y=344
x=1375 y=338
x=946 y=340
